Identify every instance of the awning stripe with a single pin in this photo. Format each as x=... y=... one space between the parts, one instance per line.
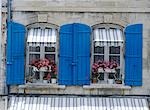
x=76 y=103
x=110 y=36
x=46 y=37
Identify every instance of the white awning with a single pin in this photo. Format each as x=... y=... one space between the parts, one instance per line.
x=46 y=37
x=112 y=37
x=76 y=103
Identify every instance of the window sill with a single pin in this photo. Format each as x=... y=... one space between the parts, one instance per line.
x=42 y=86
x=106 y=86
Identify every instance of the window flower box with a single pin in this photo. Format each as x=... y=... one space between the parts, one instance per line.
x=53 y=80
x=43 y=69
x=108 y=70
x=110 y=81
x=35 y=69
x=100 y=70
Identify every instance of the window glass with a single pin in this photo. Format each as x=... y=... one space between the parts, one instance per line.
x=98 y=57
x=33 y=57
x=114 y=50
x=111 y=76
x=34 y=49
x=101 y=76
x=50 y=56
x=114 y=58
x=99 y=50
x=49 y=49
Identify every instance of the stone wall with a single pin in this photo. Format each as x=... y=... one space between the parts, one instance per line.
x=82 y=5
x=3 y=54
x=3 y=102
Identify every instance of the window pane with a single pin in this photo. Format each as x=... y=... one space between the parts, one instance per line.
x=99 y=50
x=50 y=56
x=33 y=57
x=49 y=49
x=34 y=49
x=98 y=57
x=115 y=58
x=101 y=76
x=114 y=50
x=111 y=76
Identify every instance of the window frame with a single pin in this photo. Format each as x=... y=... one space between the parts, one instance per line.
x=106 y=49
x=42 y=51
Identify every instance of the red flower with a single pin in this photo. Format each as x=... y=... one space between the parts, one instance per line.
x=103 y=64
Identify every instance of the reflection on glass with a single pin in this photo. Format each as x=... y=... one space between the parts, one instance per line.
x=98 y=57
x=50 y=56
x=34 y=49
x=114 y=50
x=99 y=50
x=49 y=49
x=33 y=57
x=115 y=58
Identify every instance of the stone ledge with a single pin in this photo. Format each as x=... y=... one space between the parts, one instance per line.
x=41 y=86
x=81 y=9
x=106 y=86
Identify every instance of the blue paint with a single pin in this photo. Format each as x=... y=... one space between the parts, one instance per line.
x=15 y=54
x=133 y=55
x=74 y=61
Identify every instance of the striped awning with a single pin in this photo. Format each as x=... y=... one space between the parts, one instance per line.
x=76 y=103
x=46 y=37
x=111 y=36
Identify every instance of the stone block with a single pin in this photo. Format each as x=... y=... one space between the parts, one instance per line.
x=42 y=17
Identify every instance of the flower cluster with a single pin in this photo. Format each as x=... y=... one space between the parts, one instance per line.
x=53 y=70
x=49 y=64
x=104 y=65
x=41 y=63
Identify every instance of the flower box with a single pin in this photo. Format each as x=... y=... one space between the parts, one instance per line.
x=113 y=70
x=100 y=70
x=43 y=69
x=45 y=81
x=110 y=81
x=53 y=80
x=108 y=70
x=35 y=69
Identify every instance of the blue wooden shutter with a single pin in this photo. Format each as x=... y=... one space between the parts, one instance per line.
x=65 y=55
x=133 y=55
x=82 y=54
x=15 y=53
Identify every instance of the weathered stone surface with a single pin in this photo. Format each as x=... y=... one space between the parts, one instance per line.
x=3 y=102
x=82 y=5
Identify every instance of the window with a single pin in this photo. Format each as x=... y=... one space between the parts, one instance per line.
x=41 y=55
x=107 y=56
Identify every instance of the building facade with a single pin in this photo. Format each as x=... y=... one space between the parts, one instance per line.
x=109 y=27
x=96 y=15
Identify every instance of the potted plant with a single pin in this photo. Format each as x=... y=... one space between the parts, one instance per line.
x=111 y=79
x=118 y=77
x=46 y=78
x=41 y=65
x=53 y=73
x=95 y=73
x=46 y=66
